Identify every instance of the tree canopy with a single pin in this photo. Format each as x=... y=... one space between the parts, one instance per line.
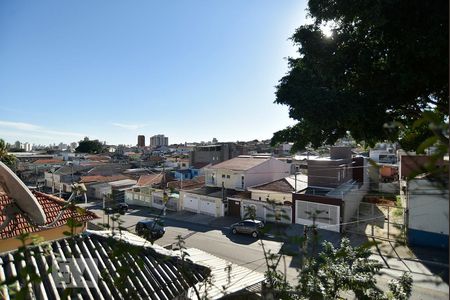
x=7 y=158
x=386 y=62
x=89 y=146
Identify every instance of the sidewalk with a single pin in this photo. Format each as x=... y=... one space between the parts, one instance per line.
x=191 y=217
x=383 y=248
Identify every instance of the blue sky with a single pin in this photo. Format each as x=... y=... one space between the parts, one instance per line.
x=111 y=70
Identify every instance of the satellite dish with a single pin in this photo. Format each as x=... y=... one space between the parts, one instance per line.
x=22 y=196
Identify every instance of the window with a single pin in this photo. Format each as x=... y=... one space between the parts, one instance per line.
x=228 y=176
x=223 y=175
x=242 y=181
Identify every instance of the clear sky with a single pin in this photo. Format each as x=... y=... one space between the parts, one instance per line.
x=192 y=70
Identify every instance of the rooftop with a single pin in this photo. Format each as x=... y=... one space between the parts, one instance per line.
x=148 y=274
x=148 y=180
x=51 y=206
x=99 y=178
x=284 y=185
x=241 y=163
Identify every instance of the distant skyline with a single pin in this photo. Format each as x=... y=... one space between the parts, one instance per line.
x=111 y=70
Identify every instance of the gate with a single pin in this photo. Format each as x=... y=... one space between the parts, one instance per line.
x=234 y=208
x=379 y=221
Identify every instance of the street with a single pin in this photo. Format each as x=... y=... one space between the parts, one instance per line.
x=247 y=251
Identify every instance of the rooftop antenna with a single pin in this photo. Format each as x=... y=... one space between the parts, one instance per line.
x=23 y=201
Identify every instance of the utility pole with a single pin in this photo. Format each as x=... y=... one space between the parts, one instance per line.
x=165 y=198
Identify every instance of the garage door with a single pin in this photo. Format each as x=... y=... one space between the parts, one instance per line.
x=327 y=216
x=190 y=203
x=207 y=207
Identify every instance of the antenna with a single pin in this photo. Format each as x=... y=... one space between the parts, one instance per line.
x=24 y=202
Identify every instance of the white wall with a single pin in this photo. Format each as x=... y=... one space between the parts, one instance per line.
x=328 y=218
x=427 y=204
x=276 y=196
x=352 y=200
x=266 y=212
x=217 y=202
x=269 y=171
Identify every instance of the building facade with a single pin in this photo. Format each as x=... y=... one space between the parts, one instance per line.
x=159 y=140
x=216 y=153
x=141 y=141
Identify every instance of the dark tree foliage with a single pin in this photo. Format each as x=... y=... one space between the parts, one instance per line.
x=5 y=157
x=386 y=62
x=89 y=146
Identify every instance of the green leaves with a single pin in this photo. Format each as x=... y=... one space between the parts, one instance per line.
x=376 y=69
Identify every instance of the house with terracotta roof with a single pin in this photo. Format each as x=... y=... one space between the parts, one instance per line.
x=52 y=207
x=232 y=176
x=149 y=192
x=270 y=201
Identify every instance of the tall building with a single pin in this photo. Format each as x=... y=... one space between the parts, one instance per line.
x=141 y=141
x=27 y=147
x=159 y=140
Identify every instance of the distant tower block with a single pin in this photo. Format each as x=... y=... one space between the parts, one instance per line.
x=159 y=140
x=141 y=141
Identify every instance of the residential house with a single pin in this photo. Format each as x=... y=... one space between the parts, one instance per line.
x=182 y=174
x=94 y=182
x=243 y=171
x=119 y=187
x=184 y=163
x=216 y=153
x=226 y=179
x=63 y=178
x=198 y=169
x=270 y=201
x=206 y=200
x=52 y=207
x=336 y=186
x=149 y=191
x=178 y=185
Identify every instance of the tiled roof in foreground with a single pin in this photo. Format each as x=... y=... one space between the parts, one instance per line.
x=51 y=205
x=112 y=269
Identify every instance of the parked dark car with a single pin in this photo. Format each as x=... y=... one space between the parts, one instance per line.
x=252 y=227
x=150 y=229
x=120 y=208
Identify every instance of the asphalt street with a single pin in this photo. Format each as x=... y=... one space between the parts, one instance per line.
x=247 y=251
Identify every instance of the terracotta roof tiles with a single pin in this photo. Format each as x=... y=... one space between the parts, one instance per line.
x=51 y=205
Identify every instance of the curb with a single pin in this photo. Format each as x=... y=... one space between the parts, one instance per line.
x=190 y=222
x=375 y=253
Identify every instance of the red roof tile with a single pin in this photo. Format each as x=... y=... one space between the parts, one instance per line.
x=51 y=205
x=188 y=184
x=48 y=161
x=146 y=180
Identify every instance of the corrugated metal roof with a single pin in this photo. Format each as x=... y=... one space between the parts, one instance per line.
x=123 y=182
x=222 y=282
x=94 y=264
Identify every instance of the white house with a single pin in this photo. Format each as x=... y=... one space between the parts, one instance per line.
x=243 y=171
